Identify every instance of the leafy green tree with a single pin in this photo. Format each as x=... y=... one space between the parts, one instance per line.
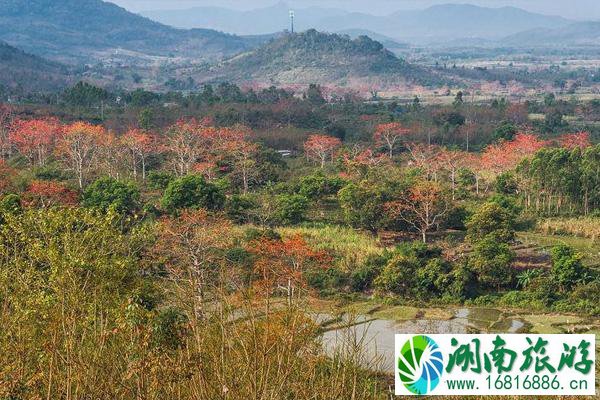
x=239 y=208
x=146 y=119
x=363 y=205
x=106 y=193
x=492 y=260
x=506 y=183
x=291 y=209
x=491 y=220
x=314 y=95
x=11 y=203
x=192 y=191
x=458 y=100
x=398 y=276
x=84 y=94
x=567 y=268
x=506 y=131
x=159 y=180
x=317 y=185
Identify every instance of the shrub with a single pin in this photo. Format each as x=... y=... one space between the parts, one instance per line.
x=291 y=209
x=159 y=180
x=326 y=279
x=362 y=206
x=317 y=186
x=506 y=183
x=362 y=278
x=107 y=193
x=491 y=261
x=192 y=191
x=238 y=208
x=491 y=219
x=567 y=268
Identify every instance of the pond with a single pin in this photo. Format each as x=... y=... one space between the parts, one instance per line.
x=376 y=336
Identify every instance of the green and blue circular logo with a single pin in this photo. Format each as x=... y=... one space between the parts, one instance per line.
x=420 y=364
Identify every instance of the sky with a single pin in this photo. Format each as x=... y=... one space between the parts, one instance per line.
x=575 y=9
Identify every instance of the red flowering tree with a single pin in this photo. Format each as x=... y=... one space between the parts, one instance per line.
x=36 y=139
x=78 y=147
x=47 y=194
x=389 y=135
x=505 y=155
x=424 y=157
x=140 y=145
x=575 y=140
x=321 y=147
x=185 y=142
x=423 y=207
x=282 y=264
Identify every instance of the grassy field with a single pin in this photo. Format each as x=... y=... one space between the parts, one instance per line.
x=350 y=247
x=589 y=248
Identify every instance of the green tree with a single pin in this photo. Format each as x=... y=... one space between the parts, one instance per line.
x=291 y=209
x=491 y=260
x=314 y=95
x=106 y=193
x=192 y=191
x=239 y=208
x=567 y=268
x=85 y=95
x=362 y=205
x=146 y=119
x=506 y=131
x=493 y=220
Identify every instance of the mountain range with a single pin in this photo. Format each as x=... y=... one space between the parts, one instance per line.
x=21 y=72
x=434 y=24
x=88 y=30
x=576 y=34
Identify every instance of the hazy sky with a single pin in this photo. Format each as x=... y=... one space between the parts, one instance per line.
x=580 y=9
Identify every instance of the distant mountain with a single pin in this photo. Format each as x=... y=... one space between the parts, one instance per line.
x=258 y=21
x=447 y=22
x=22 y=72
x=81 y=30
x=315 y=57
x=576 y=34
x=433 y=25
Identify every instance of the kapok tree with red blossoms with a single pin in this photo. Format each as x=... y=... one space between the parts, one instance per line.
x=389 y=135
x=187 y=142
x=78 y=147
x=320 y=148
x=35 y=139
x=503 y=156
x=423 y=207
x=452 y=161
x=49 y=193
x=281 y=265
x=575 y=140
x=140 y=145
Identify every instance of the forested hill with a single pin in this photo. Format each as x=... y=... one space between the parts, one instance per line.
x=316 y=57
x=76 y=30
x=21 y=72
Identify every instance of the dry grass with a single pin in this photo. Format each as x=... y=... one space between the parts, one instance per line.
x=349 y=247
x=586 y=227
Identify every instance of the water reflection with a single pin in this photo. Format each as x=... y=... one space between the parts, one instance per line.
x=377 y=335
